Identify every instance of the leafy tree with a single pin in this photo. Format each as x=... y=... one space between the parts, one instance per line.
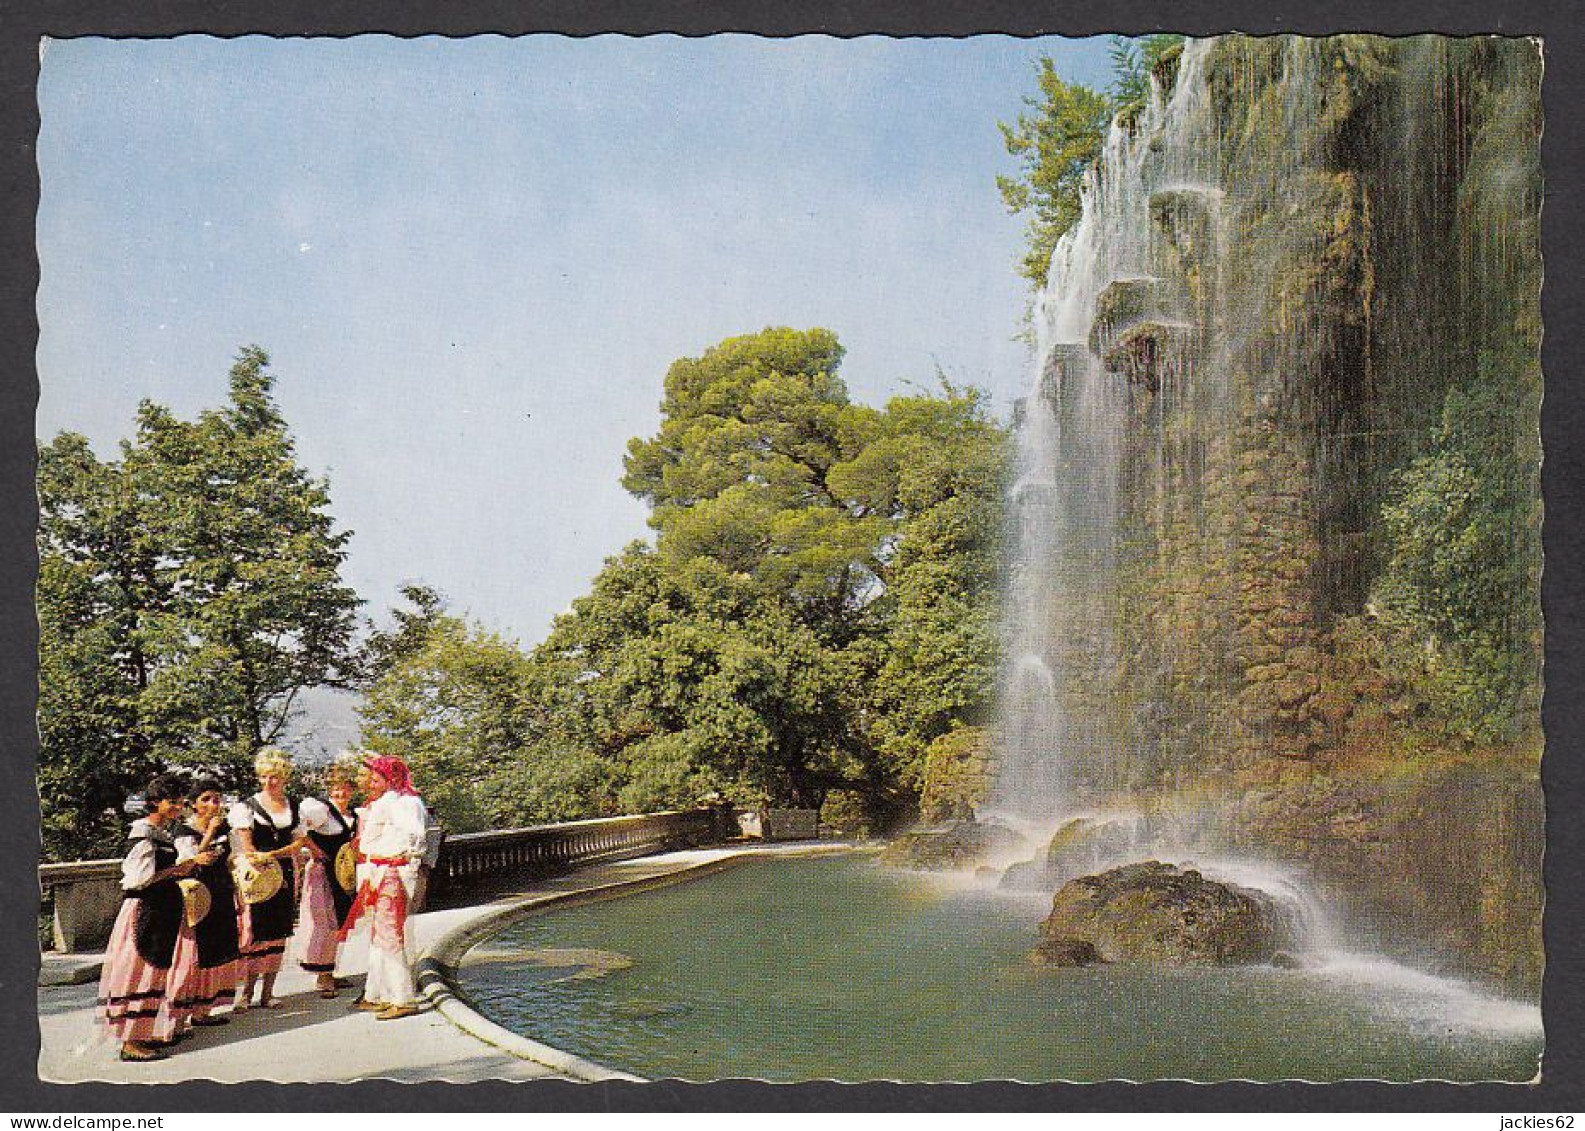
x=188 y=593
x=826 y=568
x=1055 y=144
x=1061 y=137
x=689 y=681
x=251 y=564
x=931 y=664
x=95 y=578
x=454 y=704
x=741 y=471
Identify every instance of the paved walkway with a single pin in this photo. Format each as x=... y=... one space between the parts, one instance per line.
x=311 y=1040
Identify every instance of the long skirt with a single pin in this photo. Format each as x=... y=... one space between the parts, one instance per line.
x=320 y=923
x=263 y=928
x=390 y=980
x=132 y=1000
x=193 y=989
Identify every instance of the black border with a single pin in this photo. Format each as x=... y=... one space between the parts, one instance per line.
x=23 y=23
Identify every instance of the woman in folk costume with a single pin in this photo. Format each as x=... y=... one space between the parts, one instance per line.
x=268 y=832
x=204 y=969
x=132 y=988
x=327 y=889
x=390 y=845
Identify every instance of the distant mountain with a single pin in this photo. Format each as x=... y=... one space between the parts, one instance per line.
x=325 y=724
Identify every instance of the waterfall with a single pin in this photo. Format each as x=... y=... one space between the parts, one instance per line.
x=1194 y=471
x=1285 y=264
x=1059 y=747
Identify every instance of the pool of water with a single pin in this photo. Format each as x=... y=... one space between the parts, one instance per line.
x=836 y=968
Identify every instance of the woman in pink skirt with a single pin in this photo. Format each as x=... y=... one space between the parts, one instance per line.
x=331 y=825
x=132 y=999
x=204 y=970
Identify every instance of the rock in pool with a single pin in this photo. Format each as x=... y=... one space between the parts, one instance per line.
x=950 y=847
x=585 y=962
x=1066 y=952
x=1155 y=913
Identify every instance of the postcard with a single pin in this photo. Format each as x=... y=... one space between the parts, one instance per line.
x=925 y=560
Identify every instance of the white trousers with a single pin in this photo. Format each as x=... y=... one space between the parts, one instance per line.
x=390 y=977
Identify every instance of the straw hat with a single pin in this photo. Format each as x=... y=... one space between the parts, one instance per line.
x=195 y=900
x=258 y=882
x=346 y=867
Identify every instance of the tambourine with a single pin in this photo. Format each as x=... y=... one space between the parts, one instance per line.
x=346 y=867
x=195 y=900
x=258 y=882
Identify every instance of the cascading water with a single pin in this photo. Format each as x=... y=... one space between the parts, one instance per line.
x=1205 y=439
x=1061 y=742
x=1236 y=346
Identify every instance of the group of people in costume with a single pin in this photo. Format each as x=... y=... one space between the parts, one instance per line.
x=212 y=894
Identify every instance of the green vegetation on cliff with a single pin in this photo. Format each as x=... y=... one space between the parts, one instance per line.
x=1458 y=593
x=1060 y=137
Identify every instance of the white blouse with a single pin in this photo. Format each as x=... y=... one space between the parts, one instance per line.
x=317 y=817
x=138 y=867
x=392 y=826
x=242 y=816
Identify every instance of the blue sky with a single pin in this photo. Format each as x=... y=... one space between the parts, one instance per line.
x=472 y=260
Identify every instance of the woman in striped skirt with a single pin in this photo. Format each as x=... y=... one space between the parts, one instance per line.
x=204 y=969
x=132 y=989
x=331 y=825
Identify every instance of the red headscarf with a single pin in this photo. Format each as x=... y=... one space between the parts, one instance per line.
x=394 y=771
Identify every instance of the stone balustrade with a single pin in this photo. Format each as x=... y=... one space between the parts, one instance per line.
x=86 y=894
x=474 y=860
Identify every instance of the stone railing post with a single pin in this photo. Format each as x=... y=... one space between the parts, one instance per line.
x=87 y=896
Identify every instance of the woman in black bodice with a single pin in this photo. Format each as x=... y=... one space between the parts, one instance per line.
x=204 y=972
x=267 y=827
x=331 y=825
x=132 y=988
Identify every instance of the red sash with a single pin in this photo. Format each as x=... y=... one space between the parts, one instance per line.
x=368 y=893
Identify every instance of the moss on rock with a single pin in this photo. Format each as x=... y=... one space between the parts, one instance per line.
x=958 y=775
x=1156 y=913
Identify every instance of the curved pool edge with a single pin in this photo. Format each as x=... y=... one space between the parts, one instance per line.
x=435 y=971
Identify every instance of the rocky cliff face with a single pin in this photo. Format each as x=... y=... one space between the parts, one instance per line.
x=1308 y=308
x=1286 y=266
x=1438 y=865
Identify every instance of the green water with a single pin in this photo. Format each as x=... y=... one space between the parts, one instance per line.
x=814 y=968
